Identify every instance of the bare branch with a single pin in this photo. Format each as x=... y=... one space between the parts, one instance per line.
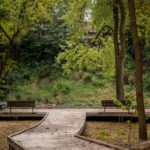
x=103 y=28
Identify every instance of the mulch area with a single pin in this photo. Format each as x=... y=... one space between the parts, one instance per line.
x=117 y=133
x=10 y=127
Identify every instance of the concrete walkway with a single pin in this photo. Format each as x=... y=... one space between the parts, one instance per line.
x=57 y=132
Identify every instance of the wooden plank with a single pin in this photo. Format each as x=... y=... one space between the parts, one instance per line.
x=57 y=132
x=20 y=104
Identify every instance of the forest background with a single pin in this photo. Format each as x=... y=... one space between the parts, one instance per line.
x=63 y=52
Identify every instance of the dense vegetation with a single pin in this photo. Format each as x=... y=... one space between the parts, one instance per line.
x=64 y=52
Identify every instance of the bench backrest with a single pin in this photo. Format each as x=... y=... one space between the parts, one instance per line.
x=21 y=103
x=112 y=104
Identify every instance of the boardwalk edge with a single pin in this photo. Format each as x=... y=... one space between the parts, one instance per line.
x=15 y=145
x=80 y=132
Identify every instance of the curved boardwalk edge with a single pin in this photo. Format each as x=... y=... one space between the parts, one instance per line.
x=13 y=144
x=79 y=135
x=58 y=130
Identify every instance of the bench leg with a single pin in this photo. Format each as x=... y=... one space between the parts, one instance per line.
x=32 y=109
x=10 y=109
x=104 y=109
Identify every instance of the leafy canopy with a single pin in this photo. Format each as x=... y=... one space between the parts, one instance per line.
x=20 y=15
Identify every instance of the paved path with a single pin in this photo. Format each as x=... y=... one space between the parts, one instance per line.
x=57 y=132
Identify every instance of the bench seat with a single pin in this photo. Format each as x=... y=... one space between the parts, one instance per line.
x=11 y=104
x=110 y=103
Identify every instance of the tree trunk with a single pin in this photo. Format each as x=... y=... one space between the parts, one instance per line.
x=139 y=72
x=119 y=80
x=119 y=53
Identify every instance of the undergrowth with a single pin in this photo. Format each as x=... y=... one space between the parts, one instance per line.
x=52 y=86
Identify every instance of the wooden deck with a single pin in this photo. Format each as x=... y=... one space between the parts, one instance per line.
x=56 y=132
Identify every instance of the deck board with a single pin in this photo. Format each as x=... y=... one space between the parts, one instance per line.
x=57 y=132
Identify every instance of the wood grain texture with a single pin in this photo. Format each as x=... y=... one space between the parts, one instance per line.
x=57 y=132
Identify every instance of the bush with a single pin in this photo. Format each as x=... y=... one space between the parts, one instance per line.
x=62 y=86
x=87 y=77
x=49 y=70
x=99 y=74
x=146 y=81
x=3 y=93
x=97 y=82
x=131 y=80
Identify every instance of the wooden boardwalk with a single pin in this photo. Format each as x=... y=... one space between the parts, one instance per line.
x=56 y=132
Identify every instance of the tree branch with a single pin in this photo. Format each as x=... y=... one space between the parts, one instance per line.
x=103 y=28
x=5 y=33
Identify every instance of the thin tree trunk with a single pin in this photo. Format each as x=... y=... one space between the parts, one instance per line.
x=119 y=53
x=119 y=80
x=139 y=72
x=122 y=31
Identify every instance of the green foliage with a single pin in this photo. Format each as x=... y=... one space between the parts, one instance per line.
x=130 y=104
x=102 y=13
x=121 y=132
x=108 y=59
x=74 y=19
x=146 y=81
x=131 y=81
x=148 y=132
x=143 y=18
x=44 y=43
x=62 y=86
x=81 y=58
x=97 y=81
x=128 y=122
x=87 y=77
x=17 y=19
x=3 y=92
x=103 y=134
x=22 y=15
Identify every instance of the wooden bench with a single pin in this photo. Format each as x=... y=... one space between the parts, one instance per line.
x=11 y=104
x=110 y=103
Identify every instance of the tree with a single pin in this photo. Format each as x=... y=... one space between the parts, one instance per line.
x=18 y=17
x=102 y=17
x=100 y=22
x=139 y=71
x=119 y=52
x=79 y=55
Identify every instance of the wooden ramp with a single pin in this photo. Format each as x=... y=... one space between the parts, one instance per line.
x=55 y=132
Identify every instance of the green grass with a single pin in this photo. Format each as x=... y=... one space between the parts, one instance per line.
x=121 y=132
x=68 y=93
x=103 y=134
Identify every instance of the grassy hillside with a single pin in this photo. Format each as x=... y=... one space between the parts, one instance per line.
x=67 y=91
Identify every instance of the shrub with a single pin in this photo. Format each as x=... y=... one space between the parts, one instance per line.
x=103 y=134
x=62 y=86
x=97 y=82
x=146 y=81
x=131 y=80
x=99 y=74
x=87 y=77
